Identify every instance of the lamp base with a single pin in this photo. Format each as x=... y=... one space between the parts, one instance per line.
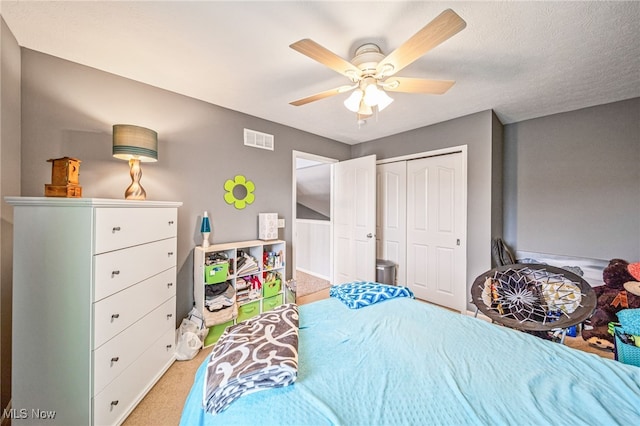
x=135 y=191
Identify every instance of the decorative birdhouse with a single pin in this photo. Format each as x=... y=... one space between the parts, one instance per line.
x=64 y=178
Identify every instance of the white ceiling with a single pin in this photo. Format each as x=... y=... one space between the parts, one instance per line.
x=521 y=59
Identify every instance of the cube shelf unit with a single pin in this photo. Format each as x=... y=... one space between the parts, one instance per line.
x=270 y=258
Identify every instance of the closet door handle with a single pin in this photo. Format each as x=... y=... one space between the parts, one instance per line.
x=115 y=359
x=170 y=222
x=169 y=316
x=115 y=316
x=369 y=235
x=115 y=229
x=170 y=254
x=114 y=273
x=169 y=285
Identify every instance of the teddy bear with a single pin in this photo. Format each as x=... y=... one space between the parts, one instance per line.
x=620 y=291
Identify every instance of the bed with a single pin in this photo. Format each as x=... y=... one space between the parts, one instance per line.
x=402 y=361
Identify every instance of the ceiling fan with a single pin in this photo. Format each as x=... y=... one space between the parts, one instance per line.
x=372 y=74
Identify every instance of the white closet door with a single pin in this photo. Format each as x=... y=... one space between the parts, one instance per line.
x=354 y=220
x=436 y=258
x=391 y=226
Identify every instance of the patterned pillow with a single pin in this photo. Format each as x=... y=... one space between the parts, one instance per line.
x=357 y=295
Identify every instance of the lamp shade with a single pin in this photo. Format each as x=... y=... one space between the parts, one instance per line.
x=384 y=100
x=352 y=103
x=135 y=142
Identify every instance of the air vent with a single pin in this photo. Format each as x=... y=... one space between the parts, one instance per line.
x=258 y=139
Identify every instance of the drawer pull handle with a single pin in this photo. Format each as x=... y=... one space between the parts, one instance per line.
x=115 y=229
x=169 y=316
x=115 y=359
x=114 y=403
x=170 y=222
x=169 y=285
x=114 y=273
x=115 y=316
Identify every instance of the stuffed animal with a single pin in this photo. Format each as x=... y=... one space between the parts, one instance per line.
x=617 y=293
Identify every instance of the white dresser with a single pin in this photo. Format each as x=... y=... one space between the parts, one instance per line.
x=94 y=285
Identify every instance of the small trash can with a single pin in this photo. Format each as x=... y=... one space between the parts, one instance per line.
x=385 y=271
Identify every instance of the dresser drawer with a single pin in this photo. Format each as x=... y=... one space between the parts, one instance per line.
x=117 y=270
x=117 y=228
x=119 y=398
x=120 y=310
x=117 y=354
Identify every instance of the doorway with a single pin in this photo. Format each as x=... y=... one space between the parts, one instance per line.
x=312 y=224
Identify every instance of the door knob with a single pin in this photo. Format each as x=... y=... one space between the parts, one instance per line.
x=369 y=235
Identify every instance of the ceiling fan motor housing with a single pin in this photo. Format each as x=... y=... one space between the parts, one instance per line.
x=367 y=58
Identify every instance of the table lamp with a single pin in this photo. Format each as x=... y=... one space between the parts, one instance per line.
x=135 y=144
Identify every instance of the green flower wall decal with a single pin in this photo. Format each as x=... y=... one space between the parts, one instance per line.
x=239 y=192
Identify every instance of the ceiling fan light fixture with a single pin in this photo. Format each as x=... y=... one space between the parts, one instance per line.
x=374 y=96
x=384 y=100
x=364 y=110
x=352 y=103
x=371 y=95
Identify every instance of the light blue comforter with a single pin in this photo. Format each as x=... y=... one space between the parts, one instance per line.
x=405 y=362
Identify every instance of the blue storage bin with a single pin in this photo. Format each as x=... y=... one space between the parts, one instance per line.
x=627 y=353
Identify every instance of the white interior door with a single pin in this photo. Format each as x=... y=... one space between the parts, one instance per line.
x=354 y=220
x=391 y=223
x=436 y=230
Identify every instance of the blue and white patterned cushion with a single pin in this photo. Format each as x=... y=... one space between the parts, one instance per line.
x=357 y=295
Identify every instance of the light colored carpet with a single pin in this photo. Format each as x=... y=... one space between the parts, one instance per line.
x=163 y=404
x=309 y=284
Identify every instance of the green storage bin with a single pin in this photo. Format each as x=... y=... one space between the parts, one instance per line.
x=271 y=302
x=249 y=310
x=270 y=288
x=215 y=332
x=216 y=273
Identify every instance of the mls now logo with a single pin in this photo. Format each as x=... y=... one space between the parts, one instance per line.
x=23 y=413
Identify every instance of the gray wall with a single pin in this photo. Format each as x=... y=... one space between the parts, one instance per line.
x=9 y=185
x=481 y=132
x=572 y=183
x=68 y=110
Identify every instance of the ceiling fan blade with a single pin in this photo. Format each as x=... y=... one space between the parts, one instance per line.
x=318 y=53
x=417 y=85
x=444 y=26
x=322 y=95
